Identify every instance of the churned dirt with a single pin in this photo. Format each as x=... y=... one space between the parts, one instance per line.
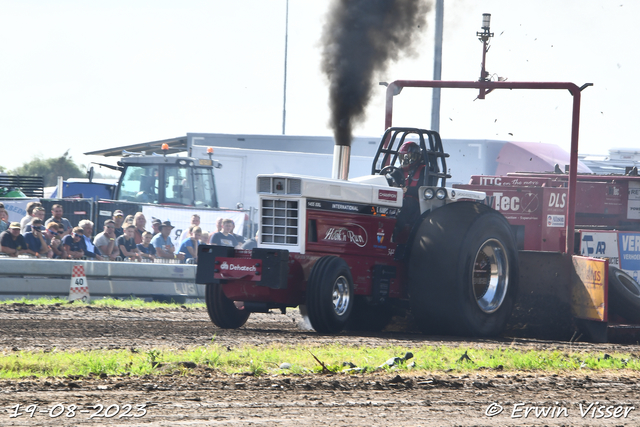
x=210 y=398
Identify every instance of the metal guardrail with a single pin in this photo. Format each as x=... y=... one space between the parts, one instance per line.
x=190 y=261
x=33 y=278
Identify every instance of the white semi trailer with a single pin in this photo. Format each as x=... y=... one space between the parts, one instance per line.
x=241 y=157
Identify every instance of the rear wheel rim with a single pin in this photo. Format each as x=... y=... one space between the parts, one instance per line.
x=341 y=295
x=490 y=279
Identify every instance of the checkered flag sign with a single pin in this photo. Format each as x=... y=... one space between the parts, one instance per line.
x=79 y=287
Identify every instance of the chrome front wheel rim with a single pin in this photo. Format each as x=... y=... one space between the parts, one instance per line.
x=341 y=295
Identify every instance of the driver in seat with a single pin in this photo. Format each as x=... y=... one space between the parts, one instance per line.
x=412 y=167
x=412 y=164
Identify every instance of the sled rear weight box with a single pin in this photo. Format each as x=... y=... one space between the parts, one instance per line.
x=275 y=267
x=206 y=262
x=273 y=264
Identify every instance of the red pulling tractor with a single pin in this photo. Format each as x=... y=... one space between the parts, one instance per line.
x=348 y=251
x=335 y=247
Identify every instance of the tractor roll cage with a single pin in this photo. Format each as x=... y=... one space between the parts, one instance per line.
x=484 y=88
x=433 y=157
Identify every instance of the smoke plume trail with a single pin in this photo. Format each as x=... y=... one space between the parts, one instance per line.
x=361 y=37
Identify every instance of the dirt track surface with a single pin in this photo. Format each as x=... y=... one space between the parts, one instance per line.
x=209 y=398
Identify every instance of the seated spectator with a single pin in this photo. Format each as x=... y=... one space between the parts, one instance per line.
x=145 y=248
x=195 y=222
x=204 y=239
x=163 y=244
x=29 y=216
x=156 y=224
x=38 y=213
x=218 y=229
x=140 y=222
x=189 y=247
x=53 y=240
x=36 y=245
x=106 y=241
x=239 y=238
x=91 y=252
x=73 y=244
x=56 y=216
x=4 y=218
x=195 y=219
x=219 y=225
x=12 y=242
x=127 y=244
x=226 y=236
x=118 y=219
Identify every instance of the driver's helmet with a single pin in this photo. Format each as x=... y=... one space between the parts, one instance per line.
x=409 y=154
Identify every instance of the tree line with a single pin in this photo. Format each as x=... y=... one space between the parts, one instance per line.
x=49 y=168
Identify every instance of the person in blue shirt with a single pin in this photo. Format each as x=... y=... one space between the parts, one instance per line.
x=73 y=246
x=147 y=251
x=189 y=247
x=36 y=245
x=163 y=244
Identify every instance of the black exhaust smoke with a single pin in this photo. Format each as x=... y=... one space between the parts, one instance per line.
x=361 y=37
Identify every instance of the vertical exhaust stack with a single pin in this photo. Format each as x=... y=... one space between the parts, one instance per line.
x=360 y=39
x=341 y=155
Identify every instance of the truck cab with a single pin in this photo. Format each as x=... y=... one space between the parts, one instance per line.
x=183 y=181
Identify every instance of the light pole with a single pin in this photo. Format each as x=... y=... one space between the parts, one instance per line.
x=286 y=40
x=437 y=67
x=484 y=37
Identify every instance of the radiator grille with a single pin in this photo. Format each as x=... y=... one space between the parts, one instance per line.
x=279 y=185
x=264 y=185
x=279 y=222
x=295 y=186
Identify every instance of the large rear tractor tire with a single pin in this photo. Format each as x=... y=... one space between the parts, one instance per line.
x=222 y=311
x=330 y=295
x=463 y=271
x=624 y=295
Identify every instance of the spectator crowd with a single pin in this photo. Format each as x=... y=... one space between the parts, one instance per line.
x=120 y=239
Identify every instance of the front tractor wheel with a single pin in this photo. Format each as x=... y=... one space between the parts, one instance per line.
x=329 y=295
x=222 y=311
x=463 y=271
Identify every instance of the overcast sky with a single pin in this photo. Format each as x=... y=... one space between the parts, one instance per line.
x=86 y=75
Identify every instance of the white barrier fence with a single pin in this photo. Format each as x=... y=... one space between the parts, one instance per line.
x=34 y=278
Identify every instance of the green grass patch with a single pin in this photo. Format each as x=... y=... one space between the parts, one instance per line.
x=103 y=302
x=267 y=360
x=34 y=301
